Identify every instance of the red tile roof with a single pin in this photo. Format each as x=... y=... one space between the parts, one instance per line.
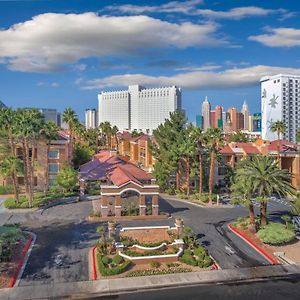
x=226 y=150
x=284 y=145
x=248 y=148
x=106 y=166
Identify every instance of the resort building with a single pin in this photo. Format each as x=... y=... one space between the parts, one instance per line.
x=280 y=101
x=138 y=108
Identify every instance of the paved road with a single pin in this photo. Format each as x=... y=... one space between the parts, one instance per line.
x=63 y=230
x=275 y=290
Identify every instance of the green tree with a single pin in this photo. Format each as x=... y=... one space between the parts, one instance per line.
x=243 y=191
x=105 y=129
x=296 y=205
x=69 y=116
x=286 y=219
x=49 y=132
x=67 y=178
x=266 y=178
x=114 y=131
x=214 y=141
x=29 y=124
x=82 y=154
x=12 y=166
x=238 y=137
x=167 y=142
x=199 y=139
x=279 y=127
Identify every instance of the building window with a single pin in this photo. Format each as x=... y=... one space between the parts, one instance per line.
x=51 y=182
x=53 y=168
x=53 y=154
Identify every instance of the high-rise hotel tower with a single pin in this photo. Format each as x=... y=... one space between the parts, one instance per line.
x=138 y=108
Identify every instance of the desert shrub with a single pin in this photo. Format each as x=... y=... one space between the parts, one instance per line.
x=200 y=252
x=154 y=264
x=117 y=259
x=276 y=234
x=188 y=259
x=150 y=272
x=205 y=262
x=128 y=241
x=105 y=260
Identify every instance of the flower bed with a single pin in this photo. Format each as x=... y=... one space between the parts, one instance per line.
x=149 y=272
x=196 y=257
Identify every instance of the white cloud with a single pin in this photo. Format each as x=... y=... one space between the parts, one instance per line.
x=191 y=8
x=80 y=67
x=51 y=40
x=230 y=78
x=51 y=84
x=279 y=37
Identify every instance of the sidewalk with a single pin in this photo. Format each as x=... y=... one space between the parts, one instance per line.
x=124 y=285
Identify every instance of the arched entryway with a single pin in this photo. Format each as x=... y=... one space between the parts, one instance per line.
x=141 y=195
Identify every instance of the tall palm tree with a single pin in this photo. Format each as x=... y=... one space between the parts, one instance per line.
x=243 y=191
x=114 y=131
x=29 y=123
x=279 y=127
x=199 y=139
x=49 y=132
x=69 y=116
x=265 y=177
x=214 y=141
x=12 y=166
x=105 y=128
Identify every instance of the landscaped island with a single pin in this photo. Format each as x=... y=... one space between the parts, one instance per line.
x=141 y=251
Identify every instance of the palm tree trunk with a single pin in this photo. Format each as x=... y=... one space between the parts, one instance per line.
x=27 y=177
x=16 y=191
x=278 y=149
x=70 y=147
x=187 y=176
x=252 y=218
x=177 y=180
x=46 y=186
x=211 y=176
x=200 y=174
x=32 y=167
x=263 y=213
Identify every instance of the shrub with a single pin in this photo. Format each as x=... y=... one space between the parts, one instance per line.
x=105 y=260
x=188 y=259
x=6 y=189
x=205 y=262
x=200 y=252
x=106 y=271
x=155 y=264
x=117 y=259
x=128 y=241
x=275 y=234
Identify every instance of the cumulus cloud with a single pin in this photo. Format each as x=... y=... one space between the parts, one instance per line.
x=50 y=40
x=230 y=78
x=191 y=8
x=278 y=37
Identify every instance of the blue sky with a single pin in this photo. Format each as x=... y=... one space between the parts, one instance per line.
x=56 y=54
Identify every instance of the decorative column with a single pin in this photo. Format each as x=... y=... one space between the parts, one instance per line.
x=81 y=188
x=179 y=226
x=155 y=205
x=111 y=229
x=142 y=204
x=104 y=206
x=118 y=206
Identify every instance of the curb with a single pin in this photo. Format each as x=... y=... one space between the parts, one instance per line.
x=94 y=271
x=21 y=265
x=268 y=257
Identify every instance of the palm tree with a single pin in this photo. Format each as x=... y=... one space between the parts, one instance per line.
x=12 y=166
x=243 y=191
x=114 y=131
x=69 y=116
x=279 y=127
x=266 y=178
x=29 y=123
x=105 y=128
x=199 y=138
x=214 y=141
x=49 y=132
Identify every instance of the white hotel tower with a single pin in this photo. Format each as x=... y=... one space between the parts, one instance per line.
x=280 y=100
x=138 y=108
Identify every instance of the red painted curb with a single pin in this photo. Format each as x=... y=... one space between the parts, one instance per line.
x=94 y=263
x=268 y=257
x=21 y=261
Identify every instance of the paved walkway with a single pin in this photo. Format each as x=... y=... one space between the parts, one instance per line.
x=85 y=289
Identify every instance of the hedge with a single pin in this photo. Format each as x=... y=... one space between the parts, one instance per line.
x=106 y=271
x=149 y=272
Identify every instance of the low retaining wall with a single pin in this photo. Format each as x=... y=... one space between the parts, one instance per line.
x=128 y=218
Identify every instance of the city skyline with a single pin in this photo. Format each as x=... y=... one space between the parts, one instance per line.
x=216 y=59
